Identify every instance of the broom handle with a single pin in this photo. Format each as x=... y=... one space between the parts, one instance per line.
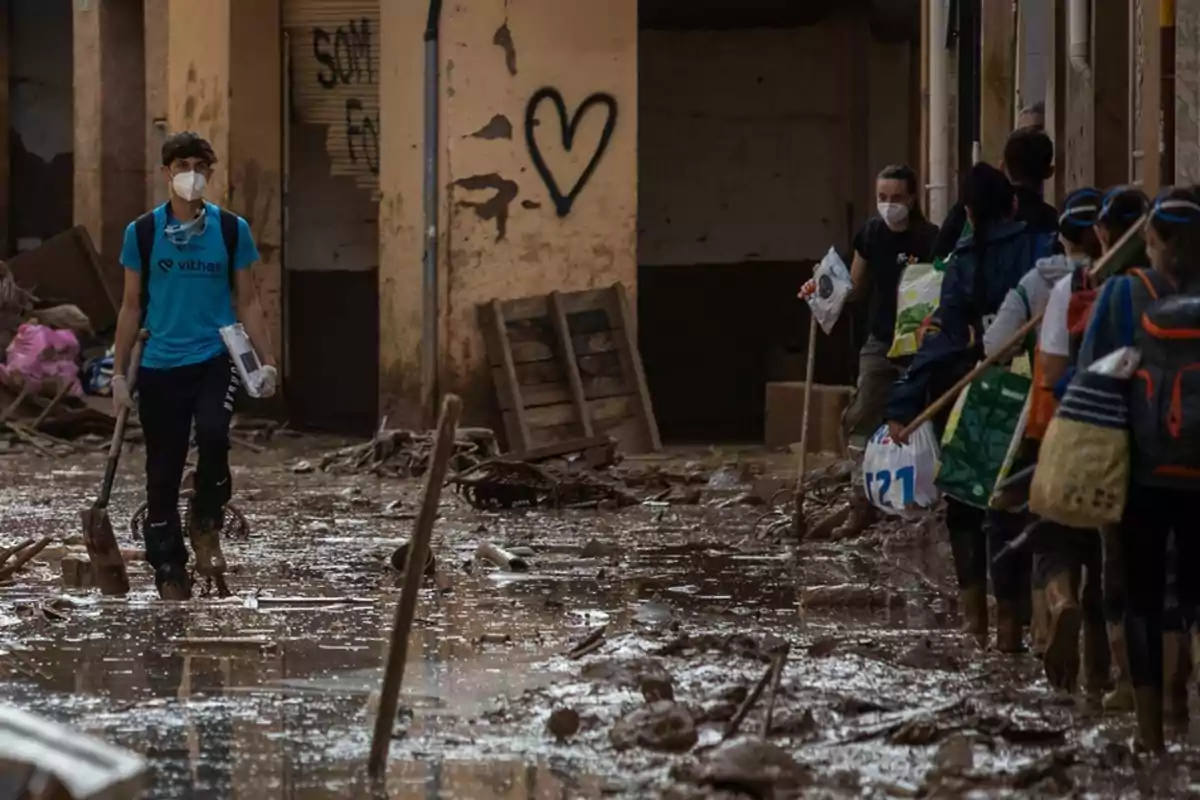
x=114 y=450
x=808 y=379
x=1013 y=341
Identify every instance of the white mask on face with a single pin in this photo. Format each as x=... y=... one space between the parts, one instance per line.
x=893 y=213
x=188 y=185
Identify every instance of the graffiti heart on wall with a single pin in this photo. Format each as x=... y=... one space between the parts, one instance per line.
x=564 y=202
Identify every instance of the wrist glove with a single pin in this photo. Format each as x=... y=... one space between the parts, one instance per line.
x=268 y=384
x=120 y=394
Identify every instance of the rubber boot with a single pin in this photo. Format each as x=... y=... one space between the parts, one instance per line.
x=173 y=584
x=1120 y=699
x=972 y=603
x=862 y=516
x=1149 y=702
x=1009 y=638
x=205 y=536
x=1177 y=671
x=1061 y=658
x=1039 y=625
x=1096 y=662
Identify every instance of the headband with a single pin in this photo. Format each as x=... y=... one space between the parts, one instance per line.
x=1163 y=206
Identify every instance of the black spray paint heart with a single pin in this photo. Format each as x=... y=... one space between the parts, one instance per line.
x=563 y=203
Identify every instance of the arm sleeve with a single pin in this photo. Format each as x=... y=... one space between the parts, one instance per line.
x=1054 y=338
x=131 y=258
x=860 y=240
x=1011 y=315
x=247 y=250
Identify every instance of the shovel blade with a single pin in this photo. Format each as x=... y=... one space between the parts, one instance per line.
x=108 y=566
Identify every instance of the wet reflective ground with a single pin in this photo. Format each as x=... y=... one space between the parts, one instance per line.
x=266 y=694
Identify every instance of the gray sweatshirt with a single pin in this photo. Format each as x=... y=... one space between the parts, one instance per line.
x=1028 y=299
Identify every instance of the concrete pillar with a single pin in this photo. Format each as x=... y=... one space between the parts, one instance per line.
x=997 y=77
x=157 y=29
x=502 y=234
x=110 y=169
x=1077 y=162
x=1187 y=98
x=1110 y=65
x=254 y=164
x=1150 y=99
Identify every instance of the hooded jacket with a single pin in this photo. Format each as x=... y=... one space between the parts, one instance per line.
x=975 y=285
x=1028 y=299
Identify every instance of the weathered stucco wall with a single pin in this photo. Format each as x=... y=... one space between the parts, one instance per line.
x=504 y=235
x=198 y=69
x=40 y=120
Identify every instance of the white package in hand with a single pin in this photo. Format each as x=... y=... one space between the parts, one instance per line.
x=833 y=286
x=899 y=478
x=245 y=360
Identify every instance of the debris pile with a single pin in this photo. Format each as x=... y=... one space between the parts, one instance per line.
x=503 y=483
x=405 y=454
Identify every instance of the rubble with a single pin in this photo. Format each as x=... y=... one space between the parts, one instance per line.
x=663 y=725
x=501 y=484
x=405 y=454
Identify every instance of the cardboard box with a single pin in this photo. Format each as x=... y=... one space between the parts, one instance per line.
x=785 y=414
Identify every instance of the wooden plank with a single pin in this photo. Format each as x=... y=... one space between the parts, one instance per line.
x=631 y=361
x=548 y=394
x=559 y=448
x=583 y=344
x=507 y=389
x=627 y=430
x=559 y=317
x=608 y=408
x=574 y=302
x=603 y=365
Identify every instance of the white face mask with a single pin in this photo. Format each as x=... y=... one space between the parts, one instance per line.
x=893 y=213
x=189 y=185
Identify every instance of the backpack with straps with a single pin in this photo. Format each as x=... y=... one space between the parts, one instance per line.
x=146 y=228
x=1165 y=392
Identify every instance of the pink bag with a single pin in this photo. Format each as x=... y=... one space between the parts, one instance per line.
x=40 y=355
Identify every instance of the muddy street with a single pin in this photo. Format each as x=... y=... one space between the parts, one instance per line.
x=511 y=690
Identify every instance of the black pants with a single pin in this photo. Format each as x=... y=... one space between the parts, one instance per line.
x=1010 y=577
x=169 y=401
x=1150 y=516
x=1078 y=553
x=968 y=543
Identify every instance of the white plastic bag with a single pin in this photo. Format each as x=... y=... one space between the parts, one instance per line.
x=833 y=285
x=899 y=478
x=248 y=365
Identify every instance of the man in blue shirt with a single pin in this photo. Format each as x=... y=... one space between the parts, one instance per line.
x=194 y=280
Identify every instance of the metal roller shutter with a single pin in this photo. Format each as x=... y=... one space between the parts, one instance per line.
x=334 y=60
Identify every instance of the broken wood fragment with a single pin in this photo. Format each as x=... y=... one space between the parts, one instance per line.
x=781 y=660
x=24 y=558
x=8 y=552
x=590 y=644
x=397 y=657
x=751 y=700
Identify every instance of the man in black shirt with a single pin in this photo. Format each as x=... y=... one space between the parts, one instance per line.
x=1029 y=163
x=900 y=235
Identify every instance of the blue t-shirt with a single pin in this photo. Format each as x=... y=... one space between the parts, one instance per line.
x=190 y=298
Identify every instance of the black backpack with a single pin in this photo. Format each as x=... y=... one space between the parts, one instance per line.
x=145 y=229
x=1164 y=398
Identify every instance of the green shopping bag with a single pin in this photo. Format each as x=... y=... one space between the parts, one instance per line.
x=979 y=434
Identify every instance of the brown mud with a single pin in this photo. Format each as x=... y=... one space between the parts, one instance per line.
x=268 y=694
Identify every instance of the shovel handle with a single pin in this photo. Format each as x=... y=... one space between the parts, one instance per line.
x=114 y=451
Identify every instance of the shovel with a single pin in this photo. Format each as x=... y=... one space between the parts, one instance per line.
x=108 y=566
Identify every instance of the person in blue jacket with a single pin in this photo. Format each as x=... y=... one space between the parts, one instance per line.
x=984 y=267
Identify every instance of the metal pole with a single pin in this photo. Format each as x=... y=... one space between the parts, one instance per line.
x=429 y=283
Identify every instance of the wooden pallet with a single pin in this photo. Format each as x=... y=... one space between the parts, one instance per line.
x=566 y=366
